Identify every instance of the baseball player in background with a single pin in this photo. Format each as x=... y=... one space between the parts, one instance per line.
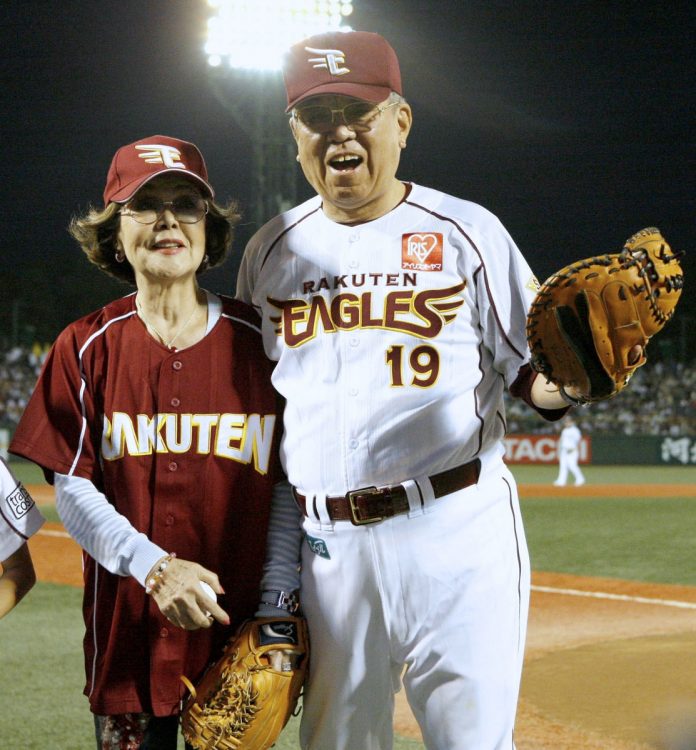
x=396 y=316
x=569 y=453
x=19 y=520
x=156 y=420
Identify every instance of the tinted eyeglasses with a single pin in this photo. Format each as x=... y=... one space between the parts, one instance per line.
x=188 y=209
x=358 y=116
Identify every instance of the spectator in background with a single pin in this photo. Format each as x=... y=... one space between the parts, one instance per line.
x=569 y=453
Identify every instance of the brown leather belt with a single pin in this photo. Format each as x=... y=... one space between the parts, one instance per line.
x=372 y=504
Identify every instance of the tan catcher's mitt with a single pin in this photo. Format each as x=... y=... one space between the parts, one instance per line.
x=241 y=701
x=588 y=318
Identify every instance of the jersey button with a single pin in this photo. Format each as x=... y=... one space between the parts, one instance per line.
x=177 y=365
x=354 y=237
x=175 y=402
x=169 y=520
x=354 y=341
x=164 y=633
x=173 y=466
x=353 y=391
x=353 y=444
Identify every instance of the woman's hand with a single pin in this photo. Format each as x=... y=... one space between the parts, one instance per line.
x=182 y=600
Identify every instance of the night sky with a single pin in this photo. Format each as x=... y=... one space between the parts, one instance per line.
x=572 y=121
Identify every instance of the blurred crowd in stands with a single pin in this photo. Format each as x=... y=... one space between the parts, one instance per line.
x=19 y=368
x=659 y=400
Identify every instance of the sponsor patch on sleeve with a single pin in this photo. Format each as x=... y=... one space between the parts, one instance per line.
x=20 y=502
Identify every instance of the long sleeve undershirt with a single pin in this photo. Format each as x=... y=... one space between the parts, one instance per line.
x=107 y=536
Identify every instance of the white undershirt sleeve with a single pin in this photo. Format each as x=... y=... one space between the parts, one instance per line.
x=105 y=534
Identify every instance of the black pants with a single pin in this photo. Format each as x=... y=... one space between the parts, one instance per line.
x=161 y=733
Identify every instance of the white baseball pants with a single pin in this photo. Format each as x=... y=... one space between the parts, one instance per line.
x=568 y=462
x=445 y=593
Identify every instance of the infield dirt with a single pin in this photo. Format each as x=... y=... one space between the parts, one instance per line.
x=610 y=664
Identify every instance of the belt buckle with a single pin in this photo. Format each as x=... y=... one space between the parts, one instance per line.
x=353 y=496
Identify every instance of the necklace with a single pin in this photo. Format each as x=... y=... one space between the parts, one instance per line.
x=169 y=344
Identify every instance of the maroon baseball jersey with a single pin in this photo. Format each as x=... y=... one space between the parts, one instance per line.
x=185 y=445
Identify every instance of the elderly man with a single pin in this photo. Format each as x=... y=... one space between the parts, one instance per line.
x=396 y=315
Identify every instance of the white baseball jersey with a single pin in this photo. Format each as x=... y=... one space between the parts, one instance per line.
x=393 y=338
x=570 y=439
x=19 y=516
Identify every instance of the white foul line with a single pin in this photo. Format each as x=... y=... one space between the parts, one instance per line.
x=52 y=532
x=615 y=597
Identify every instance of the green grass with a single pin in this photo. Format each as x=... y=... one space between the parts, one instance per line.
x=42 y=677
x=633 y=538
x=534 y=474
x=629 y=537
x=50 y=513
x=42 y=673
x=26 y=471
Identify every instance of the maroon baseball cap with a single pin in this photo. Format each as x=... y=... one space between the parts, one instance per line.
x=137 y=163
x=354 y=63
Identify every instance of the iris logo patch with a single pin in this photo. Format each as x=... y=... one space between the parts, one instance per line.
x=20 y=502
x=318 y=546
x=421 y=251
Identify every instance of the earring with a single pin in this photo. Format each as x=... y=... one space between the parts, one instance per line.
x=297 y=158
x=402 y=144
x=120 y=257
x=205 y=259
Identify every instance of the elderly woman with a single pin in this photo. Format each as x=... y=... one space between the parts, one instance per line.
x=156 y=420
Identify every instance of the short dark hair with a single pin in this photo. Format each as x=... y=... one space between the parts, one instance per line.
x=96 y=230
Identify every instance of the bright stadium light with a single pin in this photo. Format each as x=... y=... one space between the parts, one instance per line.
x=254 y=34
x=246 y=41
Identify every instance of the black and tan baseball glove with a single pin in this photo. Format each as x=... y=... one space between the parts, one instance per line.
x=589 y=324
x=241 y=700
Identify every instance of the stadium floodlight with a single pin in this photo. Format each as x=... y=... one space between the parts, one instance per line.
x=254 y=34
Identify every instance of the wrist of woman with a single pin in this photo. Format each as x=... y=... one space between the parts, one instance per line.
x=156 y=576
x=143 y=557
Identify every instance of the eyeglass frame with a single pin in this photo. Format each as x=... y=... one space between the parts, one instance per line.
x=378 y=109
x=125 y=211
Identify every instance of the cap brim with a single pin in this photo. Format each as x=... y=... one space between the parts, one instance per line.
x=367 y=92
x=128 y=191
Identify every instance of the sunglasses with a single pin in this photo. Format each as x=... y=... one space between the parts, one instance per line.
x=358 y=116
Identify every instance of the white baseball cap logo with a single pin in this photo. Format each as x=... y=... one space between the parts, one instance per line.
x=331 y=59
x=157 y=153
